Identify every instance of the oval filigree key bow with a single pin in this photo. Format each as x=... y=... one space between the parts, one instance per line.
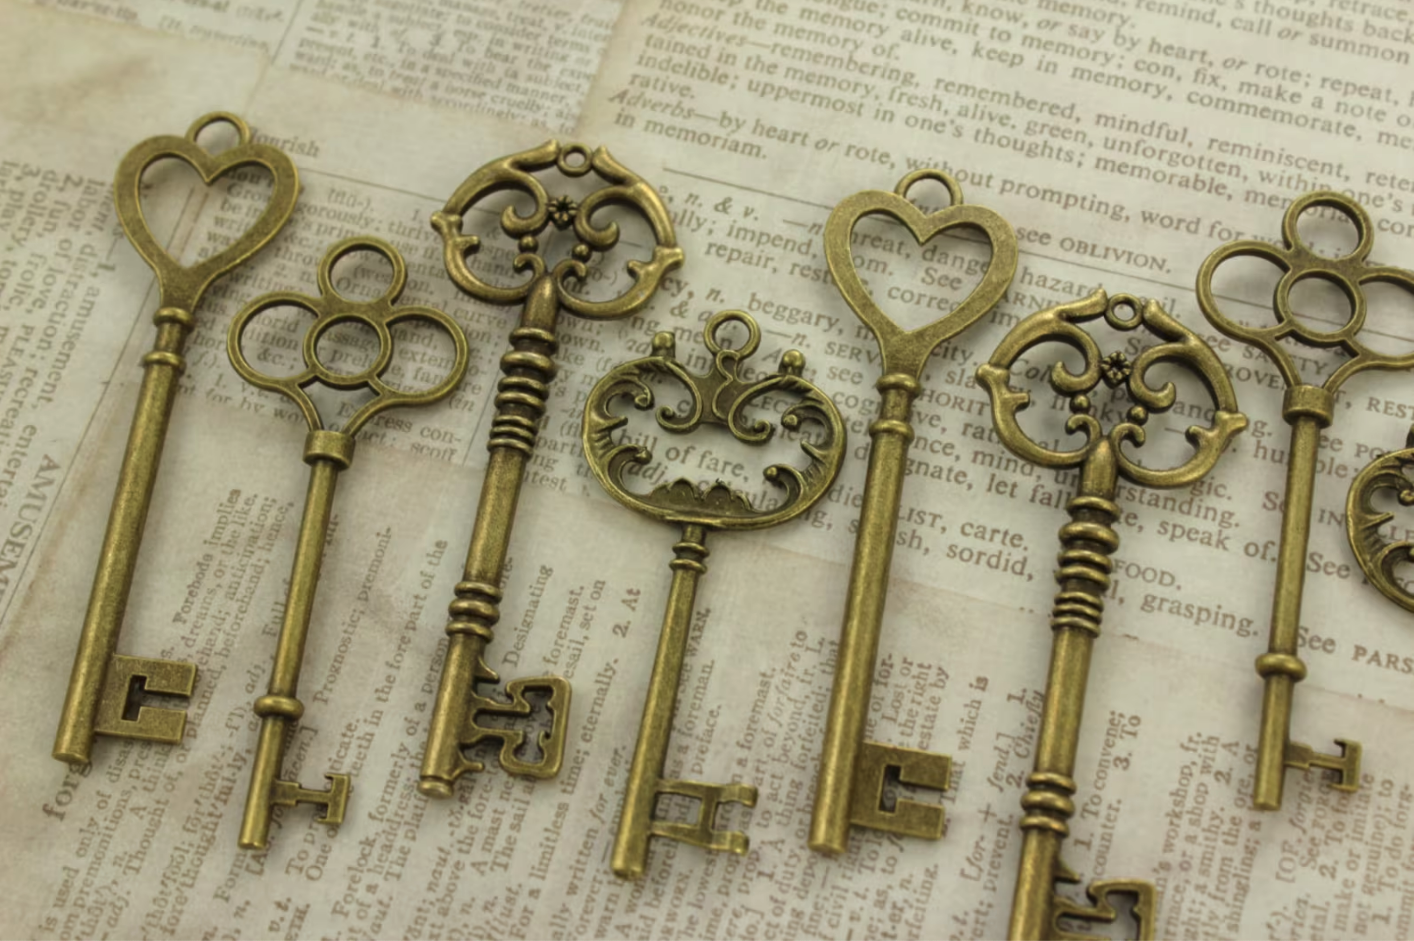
x=1308 y=409
x=721 y=398
x=327 y=452
x=1086 y=545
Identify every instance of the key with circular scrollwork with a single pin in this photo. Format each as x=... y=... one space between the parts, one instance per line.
x=720 y=398
x=105 y=685
x=1363 y=520
x=849 y=787
x=1307 y=409
x=520 y=406
x=327 y=452
x=1087 y=542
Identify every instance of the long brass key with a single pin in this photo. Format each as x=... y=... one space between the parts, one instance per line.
x=718 y=398
x=327 y=452
x=1087 y=542
x=520 y=406
x=104 y=683
x=1307 y=409
x=850 y=783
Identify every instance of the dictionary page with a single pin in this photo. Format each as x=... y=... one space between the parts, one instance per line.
x=1152 y=135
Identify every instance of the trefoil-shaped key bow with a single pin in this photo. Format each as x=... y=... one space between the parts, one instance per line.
x=720 y=398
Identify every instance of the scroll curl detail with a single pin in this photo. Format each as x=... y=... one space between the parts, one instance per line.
x=1362 y=523
x=720 y=397
x=1178 y=346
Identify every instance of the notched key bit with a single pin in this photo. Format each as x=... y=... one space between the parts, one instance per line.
x=327 y=453
x=718 y=398
x=1307 y=409
x=849 y=784
x=102 y=691
x=520 y=408
x=1087 y=542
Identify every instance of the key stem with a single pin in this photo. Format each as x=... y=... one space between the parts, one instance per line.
x=631 y=846
x=891 y=434
x=327 y=453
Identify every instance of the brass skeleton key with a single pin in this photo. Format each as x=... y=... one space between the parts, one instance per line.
x=1087 y=542
x=1308 y=409
x=851 y=780
x=327 y=452
x=104 y=684
x=1378 y=558
x=718 y=398
x=520 y=406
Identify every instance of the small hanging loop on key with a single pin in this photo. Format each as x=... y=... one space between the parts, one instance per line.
x=527 y=369
x=1308 y=409
x=1087 y=542
x=849 y=787
x=104 y=683
x=721 y=398
x=328 y=452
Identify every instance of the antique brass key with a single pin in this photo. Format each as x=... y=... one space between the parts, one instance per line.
x=1308 y=409
x=520 y=405
x=1377 y=558
x=104 y=683
x=327 y=452
x=718 y=398
x=850 y=783
x=1086 y=545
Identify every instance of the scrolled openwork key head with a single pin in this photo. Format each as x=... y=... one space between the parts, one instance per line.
x=1379 y=558
x=1298 y=262
x=1177 y=346
x=720 y=397
x=516 y=173
x=331 y=309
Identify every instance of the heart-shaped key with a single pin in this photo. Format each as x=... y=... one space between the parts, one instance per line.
x=103 y=682
x=850 y=783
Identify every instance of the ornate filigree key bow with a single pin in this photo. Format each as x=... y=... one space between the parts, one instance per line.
x=327 y=452
x=520 y=405
x=103 y=681
x=1308 y=409
x=1086 y=545
x=718 y=398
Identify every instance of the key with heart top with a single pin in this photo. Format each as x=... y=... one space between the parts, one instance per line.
x=851 y=780
x=1087 y=542
x=105 y=686
x=719 y=398
x=520 y=406
x=1307 y=409
x=327 y=452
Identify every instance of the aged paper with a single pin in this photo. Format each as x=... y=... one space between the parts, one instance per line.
x=1124 y=143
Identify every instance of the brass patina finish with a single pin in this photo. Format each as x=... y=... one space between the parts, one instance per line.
x=1086 y=545
x=104 y=685
x=520 y=406
x=327 y=452
x=850 y=782
x=1362 y=521
x=1308 y=409
x=720 y=398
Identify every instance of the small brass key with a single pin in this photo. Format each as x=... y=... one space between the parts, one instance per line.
x=520 y=406
x=850 y=783
x=1086 y=545
x=104 y=683
x=1307 y=409
x=718 y=398
x=327 y=452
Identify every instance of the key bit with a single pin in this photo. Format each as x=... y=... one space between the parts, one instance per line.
x=1307 y=409
x=850 y=772
x=526 y=369
x=721 y=398
x=1087 y=543
x=101 y=687
x=327 y=452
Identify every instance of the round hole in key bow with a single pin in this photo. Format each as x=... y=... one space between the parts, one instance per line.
x=272 y=341
x=362 y=275
x=1389 y=317
x=1328 y=232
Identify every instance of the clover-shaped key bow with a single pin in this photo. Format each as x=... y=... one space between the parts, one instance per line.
x=327 y=452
